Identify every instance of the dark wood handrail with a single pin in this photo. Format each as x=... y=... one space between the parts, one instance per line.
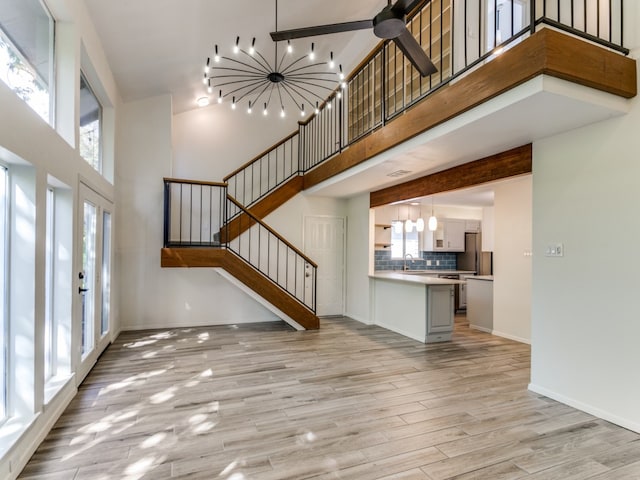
x=258 y=157
x=194 y=182
x=271 y=230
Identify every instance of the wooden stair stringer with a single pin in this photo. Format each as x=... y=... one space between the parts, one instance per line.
x=261 y=209
x=241 y=274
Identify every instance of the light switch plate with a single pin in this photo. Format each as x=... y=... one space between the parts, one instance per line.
x=554 y=250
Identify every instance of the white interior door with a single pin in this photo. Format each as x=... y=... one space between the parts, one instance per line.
x=324 y=243
x=93 y=277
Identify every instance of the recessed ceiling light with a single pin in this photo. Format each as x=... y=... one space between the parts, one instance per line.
x=203 y=101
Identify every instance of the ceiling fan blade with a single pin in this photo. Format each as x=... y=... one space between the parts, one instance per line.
x=320 y=30
x=415 y=54
x=406 y=6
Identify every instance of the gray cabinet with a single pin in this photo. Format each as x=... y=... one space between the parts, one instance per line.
x=440 y=307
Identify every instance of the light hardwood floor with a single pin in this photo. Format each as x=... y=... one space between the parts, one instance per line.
x=346 y=402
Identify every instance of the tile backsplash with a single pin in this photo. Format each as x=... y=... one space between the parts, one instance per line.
x=448 y=261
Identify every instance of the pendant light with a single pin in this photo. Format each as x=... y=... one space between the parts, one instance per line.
x=433 y=221
x=420 y=221
x=408 y=224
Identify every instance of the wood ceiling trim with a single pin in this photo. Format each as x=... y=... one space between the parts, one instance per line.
x=517 y=161
x=547 y=52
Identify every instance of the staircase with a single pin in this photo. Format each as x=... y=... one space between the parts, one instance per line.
x=219 y=225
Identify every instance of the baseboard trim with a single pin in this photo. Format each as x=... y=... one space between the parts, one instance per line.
x=511 y=337
x=357 y=318
x=158 y=326
x=585 y=407
x=481 y=329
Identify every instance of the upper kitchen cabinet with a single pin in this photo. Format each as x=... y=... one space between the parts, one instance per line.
x=448 y=237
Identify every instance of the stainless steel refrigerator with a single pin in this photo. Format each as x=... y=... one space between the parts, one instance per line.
x=473 y=258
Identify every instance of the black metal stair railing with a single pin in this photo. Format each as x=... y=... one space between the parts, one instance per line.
x=273 y=256
x=269 y=170
x=196 y=212
x=193 y=213
x=458 y=35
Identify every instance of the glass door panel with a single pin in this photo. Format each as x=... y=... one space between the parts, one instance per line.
x=87 y=277
x=106 y=273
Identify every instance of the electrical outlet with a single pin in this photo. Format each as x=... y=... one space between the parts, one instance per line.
x=554 y=250
x=428 y=263
x=438 y=263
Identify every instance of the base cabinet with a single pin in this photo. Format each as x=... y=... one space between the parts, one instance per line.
x=440 y=308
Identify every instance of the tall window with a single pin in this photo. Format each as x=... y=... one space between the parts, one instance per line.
x=90 y=125
x=26 y=53
x=4 y=228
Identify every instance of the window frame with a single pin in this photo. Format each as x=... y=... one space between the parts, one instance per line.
x=99 y=166
x=4 y=294
x=50 y=350
x=51 y=83
x=404 y=242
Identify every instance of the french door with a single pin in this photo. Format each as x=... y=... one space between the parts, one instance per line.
x=93 y=277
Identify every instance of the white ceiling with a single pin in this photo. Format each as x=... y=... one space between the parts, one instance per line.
x=159 y=47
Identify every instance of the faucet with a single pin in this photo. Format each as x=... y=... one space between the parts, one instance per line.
x=405 y=261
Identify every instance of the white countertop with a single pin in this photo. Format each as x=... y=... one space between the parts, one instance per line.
x=413 y=278
x=486 y=278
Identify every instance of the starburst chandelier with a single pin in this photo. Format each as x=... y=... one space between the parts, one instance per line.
x=246 y=78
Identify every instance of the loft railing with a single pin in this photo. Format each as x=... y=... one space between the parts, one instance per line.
x=195 y=214
x=273 y=256
x=458 y=36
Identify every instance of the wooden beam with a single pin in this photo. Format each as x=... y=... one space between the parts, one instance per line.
x=546 y=52
x=263 y=208
x=191 y=257
x=517 y=161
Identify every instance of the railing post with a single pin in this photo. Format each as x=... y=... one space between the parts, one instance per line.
x=167 y=210
x=533 y=16
x=383 y=79
x=301 y=168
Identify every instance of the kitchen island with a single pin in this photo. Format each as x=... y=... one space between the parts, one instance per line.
x=417 y=306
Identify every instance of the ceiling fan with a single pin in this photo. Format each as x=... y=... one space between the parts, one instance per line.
x=389 y=24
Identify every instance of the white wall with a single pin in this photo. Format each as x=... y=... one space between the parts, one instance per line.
x=585 y=326
x=211 y=142
x=511 y=262
x=360 y=221
x=151 y=296
x=585 y=331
